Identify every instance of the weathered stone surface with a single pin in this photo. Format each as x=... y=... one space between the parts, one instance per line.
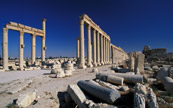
x=95 y=70
x=110 y=78
x=60 y=73
x=140 y=89
x=68 y=72
x=108 y=85
x=163 y=72
x=25 y=100
x=152 y=99
x=129 y=78
x=105 y=94
x=170 y=72
x=168 y=83
x=77 y=95
x=155 y=68
x=18 y=88
x=139 y=101
x=139 y=65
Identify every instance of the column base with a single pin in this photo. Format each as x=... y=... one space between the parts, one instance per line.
x=82 y=66
x=102 y=63
x=89 y=65
x=98 y=64
x=95 y=64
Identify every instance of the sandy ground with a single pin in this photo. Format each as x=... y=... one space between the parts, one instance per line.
x=45 y=86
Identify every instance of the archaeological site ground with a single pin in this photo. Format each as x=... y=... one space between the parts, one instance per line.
x=100 y=74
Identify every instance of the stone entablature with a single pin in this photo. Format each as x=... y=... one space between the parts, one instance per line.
x=89 y=21
x=24 y=28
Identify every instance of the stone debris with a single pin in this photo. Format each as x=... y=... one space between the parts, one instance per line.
x=95 y=70
x=110 y=78
x=25 y=100
x=105 y=94
x=77 y=95
x=68 y=67
x=152 y=99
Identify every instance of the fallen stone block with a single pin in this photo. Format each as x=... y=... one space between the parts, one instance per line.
x=108 y=85
x=129 y=78
x=95 y=70
x=168 y=83
x=25 y=100
x=139 y=101
x=110 y=78
x=105 y=94
x=68 y=72
x=77 y=95
x=152 y=99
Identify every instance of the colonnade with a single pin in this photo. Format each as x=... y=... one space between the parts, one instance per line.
x=23 y=29
x=98 y=53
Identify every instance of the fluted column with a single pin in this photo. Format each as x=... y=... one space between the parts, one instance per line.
x=77 y=48
x=43 y=40
x=21 y=48
x=5 y=48
x=82 y=55
x=98 y=48
x=101 y=50
x=33 y=48
x=89 y=64
x=94 y=47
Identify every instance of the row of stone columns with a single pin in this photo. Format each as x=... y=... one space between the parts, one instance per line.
x=100 y=53
x=21 y=47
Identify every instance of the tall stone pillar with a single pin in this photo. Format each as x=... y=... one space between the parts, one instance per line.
x=89 y=64
x=82 y=55
x=77 y=48
x=5 y=48
x=94 y=47
x=33 y=48
x=43 y=40
x=98 y=48
x=21 y=48
x=104 y=59
x=106 y=51
x=101 y=50
x=109 y=52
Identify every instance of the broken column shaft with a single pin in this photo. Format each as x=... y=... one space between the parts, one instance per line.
x=105 y=94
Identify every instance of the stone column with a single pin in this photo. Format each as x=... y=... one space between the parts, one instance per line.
x=77 y=48
x=82 y=55
x=94 y=47
x=33 y=48
x=21 y=48
x=101 y=50
x=109 y=52
x=98 y=48
x=43 y=39
x=104 y=59
x=89 y=64
x=106 y=51
x=5 y=48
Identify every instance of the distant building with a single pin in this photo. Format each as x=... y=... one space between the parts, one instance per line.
x=159 y=53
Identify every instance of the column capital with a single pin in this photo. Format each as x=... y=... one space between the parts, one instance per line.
x=81 y=22
x=88 y=27
x=44 y=19
x=93 y=30
x=5 y=29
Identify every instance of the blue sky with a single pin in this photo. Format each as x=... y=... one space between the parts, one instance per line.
x=131 y=24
